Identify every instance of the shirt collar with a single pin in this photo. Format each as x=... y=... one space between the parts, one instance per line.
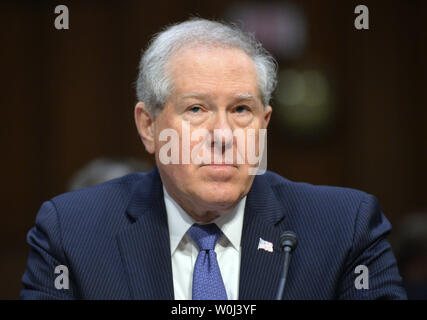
x=179 y=222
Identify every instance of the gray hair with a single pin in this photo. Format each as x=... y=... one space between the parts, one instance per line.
x=153 y=85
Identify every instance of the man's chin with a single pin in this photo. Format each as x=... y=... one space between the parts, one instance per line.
x=218 y=198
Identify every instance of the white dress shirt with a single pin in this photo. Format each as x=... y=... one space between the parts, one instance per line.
x=184 y=250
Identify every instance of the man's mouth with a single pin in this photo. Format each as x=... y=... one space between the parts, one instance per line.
x=220 y=168
x=219 y=165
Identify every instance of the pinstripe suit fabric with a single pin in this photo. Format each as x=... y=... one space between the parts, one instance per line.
x=114 y=239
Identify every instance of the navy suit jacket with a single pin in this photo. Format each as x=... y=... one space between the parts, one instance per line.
x=114 y=240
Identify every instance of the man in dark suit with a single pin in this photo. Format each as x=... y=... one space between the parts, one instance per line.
x=205 y=223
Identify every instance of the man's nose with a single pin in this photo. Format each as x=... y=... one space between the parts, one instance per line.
x=222 y=132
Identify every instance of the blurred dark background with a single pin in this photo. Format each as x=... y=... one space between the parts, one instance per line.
x=350 y=108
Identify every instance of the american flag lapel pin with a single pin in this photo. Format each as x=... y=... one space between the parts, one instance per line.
x=265 y=245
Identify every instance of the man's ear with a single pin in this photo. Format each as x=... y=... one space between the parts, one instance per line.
x=145 y=124
x=267 y=115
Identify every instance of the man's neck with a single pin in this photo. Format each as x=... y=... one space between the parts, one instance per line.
x=194 y=208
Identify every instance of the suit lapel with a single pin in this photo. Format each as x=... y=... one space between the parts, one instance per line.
x=144 y=246
x=264 y=218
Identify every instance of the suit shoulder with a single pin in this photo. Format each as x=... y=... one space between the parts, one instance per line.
x=103 y=198
x=317 y=195
x=329 y=211
x=124 y=183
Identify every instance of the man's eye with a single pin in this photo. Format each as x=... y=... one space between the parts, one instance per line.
x=195 y=109
x=241 y=109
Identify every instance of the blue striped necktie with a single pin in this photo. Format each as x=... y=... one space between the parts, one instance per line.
x=207 y=280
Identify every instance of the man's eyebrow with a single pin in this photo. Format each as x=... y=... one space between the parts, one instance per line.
x=244 y=96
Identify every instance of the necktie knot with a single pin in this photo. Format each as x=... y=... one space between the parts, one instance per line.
x=205 y=235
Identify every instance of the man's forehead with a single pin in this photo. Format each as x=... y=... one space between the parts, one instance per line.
x=240 y=96
x=206 y=79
